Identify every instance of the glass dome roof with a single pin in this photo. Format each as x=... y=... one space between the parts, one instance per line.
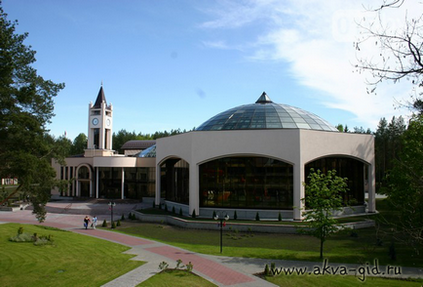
x=264 y=114
x=148 y=152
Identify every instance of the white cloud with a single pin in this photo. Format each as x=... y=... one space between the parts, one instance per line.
x=316 y=38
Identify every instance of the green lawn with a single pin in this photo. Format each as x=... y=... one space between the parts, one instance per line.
x=74 y=260
x=341 y=248
x=176 y=278
x=338 y=281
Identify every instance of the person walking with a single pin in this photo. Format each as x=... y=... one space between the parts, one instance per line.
x=94 y=223
x=86 y=221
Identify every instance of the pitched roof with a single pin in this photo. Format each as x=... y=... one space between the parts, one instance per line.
x=137 y=144
x=100 y=98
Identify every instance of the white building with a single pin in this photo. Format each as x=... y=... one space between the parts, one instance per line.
x=252 y=158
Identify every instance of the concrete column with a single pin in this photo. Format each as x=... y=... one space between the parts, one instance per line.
x=158 y=185
x=372 y=188
x=96 y=182
x=299 y=191
x=123 y=184
x=194 y=196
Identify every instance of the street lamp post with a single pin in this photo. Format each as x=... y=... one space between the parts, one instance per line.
x=111 y=205
x=222 y=219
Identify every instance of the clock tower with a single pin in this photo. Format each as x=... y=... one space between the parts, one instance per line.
x=100 y=123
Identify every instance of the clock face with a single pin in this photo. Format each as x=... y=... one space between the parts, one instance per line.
x=108 y=122
x=95 y=121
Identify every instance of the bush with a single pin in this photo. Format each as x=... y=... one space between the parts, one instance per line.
x=392 y=252
x=257 y=216
x=173 y=210
x=122 y=217
x=214 y=214
x=235 y=215
x=113 y=225
x=104 y=223
x=20 y=230
x=130 y=216
x=118 y=223
x=266 y=270
x=133 y=216
x=154 y=204
x=180 y=211
x=24 y=237
x=279 y=217
x=193 y=214
x=190 y=266
x=163 y=265
x=166 y=207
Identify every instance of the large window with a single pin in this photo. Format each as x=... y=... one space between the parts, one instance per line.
x=350 y=168
x=246 y=182
x=110 y=182
x=140 y=182
x=174 y=181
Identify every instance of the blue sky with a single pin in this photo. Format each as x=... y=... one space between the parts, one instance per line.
x=173 y=64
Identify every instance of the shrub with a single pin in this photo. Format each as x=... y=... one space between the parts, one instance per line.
x=173 y=210
x=154 y=204
x=392 y=252
x=118 y=223
x=214 y=214
x=179 y=264
x=235 y=215
x=24 y=237
x=104 y=223
x=279 y=217
x=160 y=206
x=20 y=230
x=122 y=217
x=273 y=267
x=193 y=214
x=190 y=266
x=180 y=211
x=266 y=270
x=113 y=225
x=166 y=207
x=133 y=216
x=163 y=265
x=257 y=216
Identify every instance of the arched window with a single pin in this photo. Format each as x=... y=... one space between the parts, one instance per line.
x=174 y=180
x=246 y=182
x=350 y=168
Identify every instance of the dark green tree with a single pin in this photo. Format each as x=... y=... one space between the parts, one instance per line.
x=79 y=144
x=324 y=196
x=26 y=107
x=405 y=192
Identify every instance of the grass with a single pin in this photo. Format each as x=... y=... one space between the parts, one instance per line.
x=73 y=260
x=176 y=278
x=338 y=281
x=340 y=248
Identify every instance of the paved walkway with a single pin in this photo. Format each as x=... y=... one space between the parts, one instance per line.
x=222 y=271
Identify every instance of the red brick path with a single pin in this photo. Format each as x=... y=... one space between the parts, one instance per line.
x=214 y=270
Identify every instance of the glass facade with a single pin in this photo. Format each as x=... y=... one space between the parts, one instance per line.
x=110 y=182
x=246 y=182
x=350 y=168
x=138 y=182
x=265 y=115
x=174 y=180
